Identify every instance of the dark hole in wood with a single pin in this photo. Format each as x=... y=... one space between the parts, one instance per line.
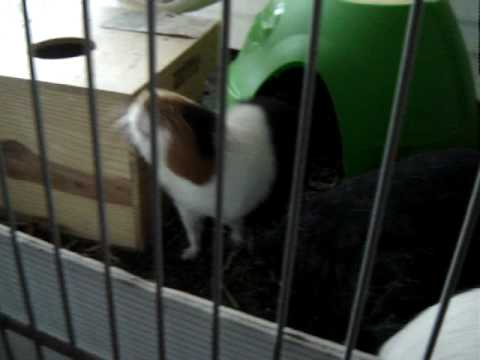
x=287 y=87
x=62 y=48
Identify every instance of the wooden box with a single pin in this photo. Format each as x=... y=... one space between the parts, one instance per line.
x=121 y=63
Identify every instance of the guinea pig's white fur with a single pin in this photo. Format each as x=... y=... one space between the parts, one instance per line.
x=248 y=174
x=459 y=337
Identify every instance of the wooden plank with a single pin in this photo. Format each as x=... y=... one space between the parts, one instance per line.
x=67 y=124
x=24 y=164
x=67 y=131
x=188 y=318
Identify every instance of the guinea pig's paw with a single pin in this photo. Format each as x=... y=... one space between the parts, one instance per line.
x=243 y=239
x=190 y=253
x=239 y=234
x=237 y=237
x=322 y=180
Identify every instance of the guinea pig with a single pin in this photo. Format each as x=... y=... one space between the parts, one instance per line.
x=259 y=150
x=459 y=336
x=424 y=212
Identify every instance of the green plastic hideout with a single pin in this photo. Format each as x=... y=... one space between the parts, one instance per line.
x=359 y=54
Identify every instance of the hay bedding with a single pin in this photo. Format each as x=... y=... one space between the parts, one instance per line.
x=427 y=204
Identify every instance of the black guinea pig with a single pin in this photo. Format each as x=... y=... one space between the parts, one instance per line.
x=425 y=209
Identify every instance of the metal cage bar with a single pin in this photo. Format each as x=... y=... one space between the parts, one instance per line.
x=47 y=185
x=6 y=342
x=92 y=105
x=217 y=273
x=386 y=172
x=12 y=222
x=157 y=216
x=301 y=148
x=458 y=258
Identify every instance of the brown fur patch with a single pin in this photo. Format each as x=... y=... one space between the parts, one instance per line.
x=183 y=157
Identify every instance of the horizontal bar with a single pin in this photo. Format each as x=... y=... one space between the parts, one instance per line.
x=47 y=184
x=375 y=226
x=156 y=198
x=301 y=148
x=47 y=340
x=92 y=106
x=217 y=278
x=454 y=271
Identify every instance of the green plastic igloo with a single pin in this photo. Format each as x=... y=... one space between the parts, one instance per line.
x=359 y=54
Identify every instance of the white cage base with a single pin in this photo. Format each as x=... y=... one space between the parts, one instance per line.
x=187 y=318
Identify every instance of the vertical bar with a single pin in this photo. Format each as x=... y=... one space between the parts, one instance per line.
x=301 y=148
x=386 y=172
x=454 y=271
x=217 y=278
x=92 y=103
x=157 y=216
x=12 y=222
x=42 y=147
x=6 y=342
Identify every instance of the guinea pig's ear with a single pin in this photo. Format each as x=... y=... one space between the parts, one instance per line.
x=170 y=109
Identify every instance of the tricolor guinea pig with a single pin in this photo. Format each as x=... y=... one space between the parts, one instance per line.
x=259 y=151
x=423 y=217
